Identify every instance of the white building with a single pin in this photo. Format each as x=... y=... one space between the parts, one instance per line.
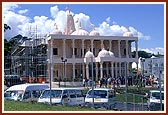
x=77 y=46
x=153 y=66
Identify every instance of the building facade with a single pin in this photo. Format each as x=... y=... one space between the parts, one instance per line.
x=153 y=66
x=71 y=52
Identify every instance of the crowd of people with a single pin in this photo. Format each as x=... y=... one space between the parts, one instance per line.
x=134 y=80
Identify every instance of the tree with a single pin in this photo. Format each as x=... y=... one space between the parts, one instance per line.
x=142 y=54
x=6 y=27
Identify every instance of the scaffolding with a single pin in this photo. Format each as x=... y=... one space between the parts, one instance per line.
x=29 y=58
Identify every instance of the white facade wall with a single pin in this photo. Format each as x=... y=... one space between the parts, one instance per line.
x=73 y=48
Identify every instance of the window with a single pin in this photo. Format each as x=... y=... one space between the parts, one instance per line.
x=55 y=51
x=79 y=93
x=27 y=95
x=75 y=52
x=124 y=51
x=97 y=94
x=84 y=51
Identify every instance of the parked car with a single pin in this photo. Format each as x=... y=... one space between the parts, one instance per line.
x=102 y=97
x=63 y=96
x=25 y=92
x=154 y=101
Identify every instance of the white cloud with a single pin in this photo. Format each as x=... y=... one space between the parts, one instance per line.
x=154 y=50
x=14 y=21
x=9 y=7
x=108 y=20
x=138 y=34
x=23 y=11
x=84 y=20
x=54 y=11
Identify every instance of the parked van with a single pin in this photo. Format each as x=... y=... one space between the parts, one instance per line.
x=63 y=96
x=102 y=97
x=153 y=101
x=26 y=92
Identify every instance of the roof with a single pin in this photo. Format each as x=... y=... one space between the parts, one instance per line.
x=105 y=53
x=80 y=32
x=102 y=89
x=64 y=88
x=152 y=91
x=25 y=86
x=89 y=54
x=94 y=33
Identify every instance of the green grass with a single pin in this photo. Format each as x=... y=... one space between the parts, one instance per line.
x=29 y=106
x=132 y=98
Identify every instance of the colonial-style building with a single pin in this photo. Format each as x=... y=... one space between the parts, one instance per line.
x=70 y=53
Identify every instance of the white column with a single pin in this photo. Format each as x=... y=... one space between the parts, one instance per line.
x=112 y=69
x=110 y=45
x=119 y=52
x=64 y=47
x=73 y=71
x=119 y=68
x=73 y=48
x=92 y=46
x=83 y=48
x=126 y=49
x=96 y=71
x=101 y=70
x=102 y=45
x=136 y=45
x=116 y=70
x=51 y=60
x=87 y=71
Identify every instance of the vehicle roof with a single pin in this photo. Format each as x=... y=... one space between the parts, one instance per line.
x=27 y=86
x=64 y=88
x=156 y=91
x=102 y=89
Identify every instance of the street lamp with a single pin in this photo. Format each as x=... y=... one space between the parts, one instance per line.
x=143 y=65
x=143 y=61
x=64 y=60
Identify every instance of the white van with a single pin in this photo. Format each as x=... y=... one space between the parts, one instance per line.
x=102 y=97
x=153 y=101
x=26 y=92
x=63 y=96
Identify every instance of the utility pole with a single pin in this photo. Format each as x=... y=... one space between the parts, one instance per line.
x=92 y=81
x=126 y=87
x=160 y=88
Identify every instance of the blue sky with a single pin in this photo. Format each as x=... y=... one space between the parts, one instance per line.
x=145 y=20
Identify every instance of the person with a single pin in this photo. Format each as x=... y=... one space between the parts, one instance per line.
x=101 y=82
x=83 y=82
x=86 y=82
x=109 y=80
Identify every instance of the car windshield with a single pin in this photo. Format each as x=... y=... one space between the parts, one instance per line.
x=14 y=93
x=97 y=94
x=54 y=94
x=157 y=95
